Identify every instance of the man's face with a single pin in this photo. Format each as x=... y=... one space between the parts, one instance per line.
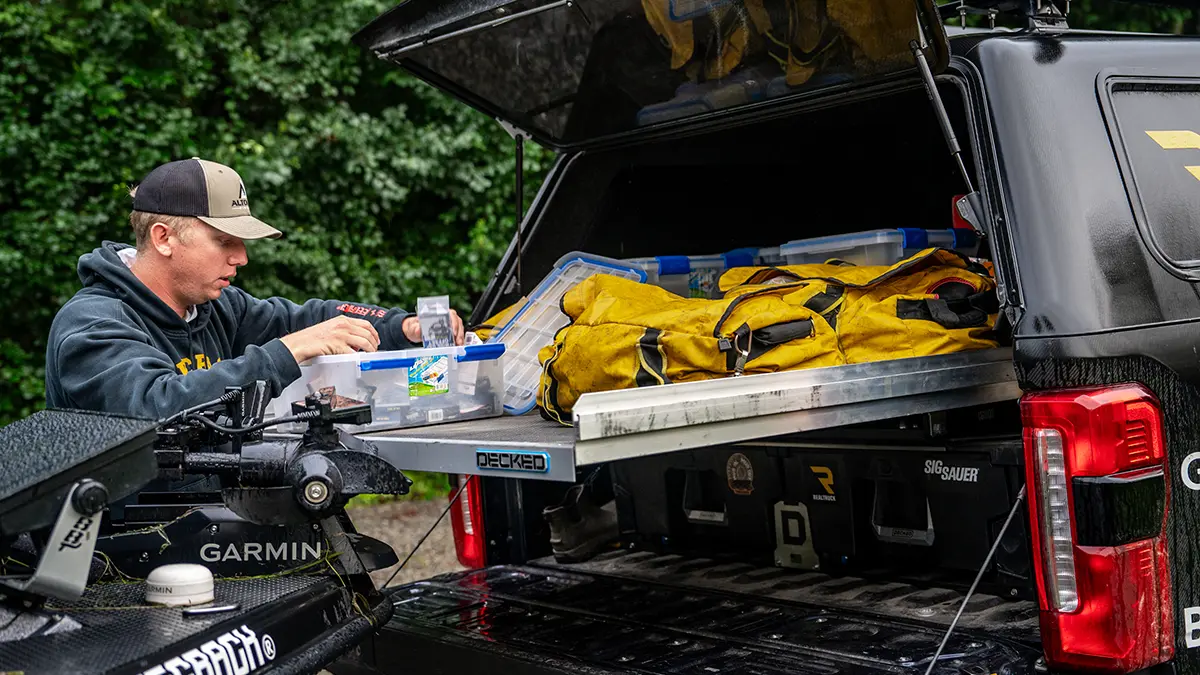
x=204 y=261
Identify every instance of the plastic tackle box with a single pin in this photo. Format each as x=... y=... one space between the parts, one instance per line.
x=873 y=247
x=536 y=321
x=769 y=257
x=693 y=276
x=964 y=241
x=405 y=388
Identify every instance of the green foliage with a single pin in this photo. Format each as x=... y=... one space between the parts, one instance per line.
x=1141 y=17
x=425 y=486
x=385 y=188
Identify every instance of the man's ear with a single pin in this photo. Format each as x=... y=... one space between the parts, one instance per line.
x=162 y=239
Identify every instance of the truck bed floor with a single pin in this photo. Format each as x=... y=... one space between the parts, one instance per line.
x=542 y=619
x=926 y=603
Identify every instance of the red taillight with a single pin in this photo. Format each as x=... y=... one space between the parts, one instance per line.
x=1105 y=593
x=467 y=519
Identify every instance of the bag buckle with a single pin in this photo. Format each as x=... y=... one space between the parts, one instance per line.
x=739 y=366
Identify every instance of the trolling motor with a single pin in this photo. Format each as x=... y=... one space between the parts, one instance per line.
x=278 y=505
x=63 y=557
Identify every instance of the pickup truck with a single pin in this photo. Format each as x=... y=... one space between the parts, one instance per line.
x=1025 y=509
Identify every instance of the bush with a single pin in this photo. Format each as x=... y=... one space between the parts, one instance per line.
x=386 y=189
x=425 y=486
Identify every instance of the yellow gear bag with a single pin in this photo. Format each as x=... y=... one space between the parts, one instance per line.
x=625 y=334
x=934 y=302
x=801 y=36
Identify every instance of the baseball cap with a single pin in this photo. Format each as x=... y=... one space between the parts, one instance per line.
x=202 y=189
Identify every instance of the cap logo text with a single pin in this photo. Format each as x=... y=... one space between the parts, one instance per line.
x=241 y=202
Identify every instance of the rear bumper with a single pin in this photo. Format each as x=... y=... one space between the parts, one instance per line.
x=535 y=620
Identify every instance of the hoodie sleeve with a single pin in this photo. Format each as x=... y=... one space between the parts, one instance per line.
x=111 y=366
x=265 y=320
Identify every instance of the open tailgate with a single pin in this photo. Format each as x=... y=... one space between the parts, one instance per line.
x=572 y=72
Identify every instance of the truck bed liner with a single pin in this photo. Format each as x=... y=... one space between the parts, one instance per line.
x=542 y=618
x=927 y=602
x=630 y=423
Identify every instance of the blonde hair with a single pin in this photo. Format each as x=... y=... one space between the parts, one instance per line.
x=142 y=221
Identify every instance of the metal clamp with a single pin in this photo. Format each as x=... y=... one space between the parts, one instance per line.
x=63 y=569
x=739 y=366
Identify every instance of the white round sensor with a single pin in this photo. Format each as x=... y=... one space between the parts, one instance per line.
x=179 y=585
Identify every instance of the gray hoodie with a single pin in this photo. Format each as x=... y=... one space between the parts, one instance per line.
x=116 y=347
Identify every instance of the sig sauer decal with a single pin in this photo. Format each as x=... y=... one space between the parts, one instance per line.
x=522 y=461
x=955 y=474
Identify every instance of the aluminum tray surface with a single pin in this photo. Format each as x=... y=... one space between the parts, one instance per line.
x=616 y=425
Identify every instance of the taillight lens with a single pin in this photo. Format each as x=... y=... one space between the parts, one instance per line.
x=1058 y=543
x=466 y=517
x=1096 y=471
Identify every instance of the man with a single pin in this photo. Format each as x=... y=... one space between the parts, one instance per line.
x=158 y=328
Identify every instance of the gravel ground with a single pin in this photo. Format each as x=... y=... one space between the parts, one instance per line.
x=402 y=524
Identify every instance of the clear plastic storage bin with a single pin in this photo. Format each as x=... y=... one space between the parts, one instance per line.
x=535 y=323
x=698 y=98
x=405 y=388
x=769 y=257
x=874 y=247
x=693 y=276
x=964 y=241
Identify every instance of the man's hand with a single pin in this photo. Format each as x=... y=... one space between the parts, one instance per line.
x=412 y=328
x=339 y=335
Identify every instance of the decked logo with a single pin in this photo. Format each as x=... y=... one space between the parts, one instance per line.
x=238 y=652
x=512 y=460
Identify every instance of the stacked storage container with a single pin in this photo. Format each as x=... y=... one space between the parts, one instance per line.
x=405 y=388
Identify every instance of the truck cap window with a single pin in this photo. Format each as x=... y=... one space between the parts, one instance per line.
x=1154 y=123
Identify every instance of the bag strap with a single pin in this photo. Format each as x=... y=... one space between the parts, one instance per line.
x=972 y=311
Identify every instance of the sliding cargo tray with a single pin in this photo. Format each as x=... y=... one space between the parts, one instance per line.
x=617 y=425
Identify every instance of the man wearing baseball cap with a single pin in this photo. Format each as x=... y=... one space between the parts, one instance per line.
x=158 y=328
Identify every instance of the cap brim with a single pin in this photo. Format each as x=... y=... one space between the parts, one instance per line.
x=243 y=227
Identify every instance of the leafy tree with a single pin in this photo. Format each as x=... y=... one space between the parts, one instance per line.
x=385 y=188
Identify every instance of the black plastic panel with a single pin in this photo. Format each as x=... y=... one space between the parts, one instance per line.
x=291 y=618
x=1113 y=511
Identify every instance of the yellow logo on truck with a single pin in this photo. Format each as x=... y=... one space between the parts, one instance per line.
x=1178 y=140
x=825 y=478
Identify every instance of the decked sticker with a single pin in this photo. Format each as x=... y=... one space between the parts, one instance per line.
x=239 y=651
x=512 y=460
x=429 y=376
x=740 y=474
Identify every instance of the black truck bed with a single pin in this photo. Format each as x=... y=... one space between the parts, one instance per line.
x=646 y=613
